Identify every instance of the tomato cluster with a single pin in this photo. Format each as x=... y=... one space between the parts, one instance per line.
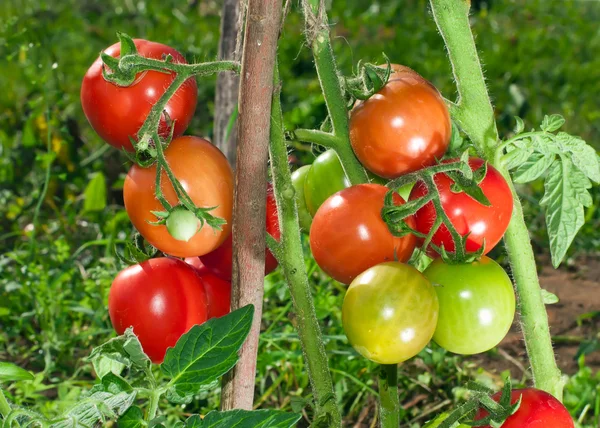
x=391 y=310
x=162 y=298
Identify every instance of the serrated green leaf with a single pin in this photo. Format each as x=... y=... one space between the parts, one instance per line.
x=95 y=194
x=132 y=418
x=563 y=209
x=552 y=123
x=104 y=365
x=583 y=155
x=245 y=418
x=125 y=349
x=548 y=297
x=519 y=126
x=515 y=157
x=533 y=168
x=206 y=352
x=99 y=407
x=10 y=372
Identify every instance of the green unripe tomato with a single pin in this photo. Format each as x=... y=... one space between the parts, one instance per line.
x=477 y=305
x=390 y=312
x=298 y=179
x=324 y=178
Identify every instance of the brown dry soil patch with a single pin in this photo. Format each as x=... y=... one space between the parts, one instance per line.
x=578 y=291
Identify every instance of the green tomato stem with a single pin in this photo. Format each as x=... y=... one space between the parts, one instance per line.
x=475 y=115
x=319 y=40
x=153 y=406
x=4 y=406
x=389 y=403
x=291 y=259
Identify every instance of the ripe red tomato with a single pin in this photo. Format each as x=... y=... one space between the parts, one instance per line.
x=117 y=113
x=161 y=299
x=218 y=292
x=348 y=236
x=402 y=128
x=390 y=312
x=477 y=305
x=219 y=261
x=204 y=172
x=466 y=214
x=538 y=409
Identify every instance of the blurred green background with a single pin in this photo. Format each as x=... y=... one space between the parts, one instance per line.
x=60 y=186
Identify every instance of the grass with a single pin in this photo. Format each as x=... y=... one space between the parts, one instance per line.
x=60 y=187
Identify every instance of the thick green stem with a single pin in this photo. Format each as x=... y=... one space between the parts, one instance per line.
x=4 y=406
x=292 y=262
x=389 y=403
x=153 y=406
x=475 y=116
x=318 y=31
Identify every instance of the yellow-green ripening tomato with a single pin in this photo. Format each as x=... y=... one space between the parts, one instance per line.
x=477 y=305
x=298 y=179
x=390 y=312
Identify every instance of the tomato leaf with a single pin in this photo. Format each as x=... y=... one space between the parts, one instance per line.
x=132 y=418
x=566 y=194
x=205 y=353
x=515 y=156
x=98 y=407
x=94 y=194
x=10 y=372
x=583 y=156
x=552 y=123
x=245 y=418
x=548 y=297
x=519 y=126
x=112 y=383
x=533 y=168
x=125 y=349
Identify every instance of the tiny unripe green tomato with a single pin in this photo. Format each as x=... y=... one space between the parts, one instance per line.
x=298 y=179
x=390 y=312
x=182 y=224
x=477 y=305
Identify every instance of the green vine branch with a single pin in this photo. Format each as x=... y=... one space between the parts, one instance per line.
x=474 y=114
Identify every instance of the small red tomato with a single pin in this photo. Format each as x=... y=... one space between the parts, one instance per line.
x=348 y=235
x=117 y=113
x=466 y=214
x=197 y=263
x=161 y=299
x=538 y=409
x=218 y=292
x=402 y=128
x=219 y=261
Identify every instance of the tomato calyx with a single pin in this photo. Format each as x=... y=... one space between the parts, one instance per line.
x=136 y=251
x=465 y=180
x=369 y=80
x=480 y=397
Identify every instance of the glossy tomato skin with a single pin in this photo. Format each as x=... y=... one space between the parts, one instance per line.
x=197 y=263
x=402 y=128
x=298 y=180
x=219 y=261
x=389 y=312
x=204 y=172
x=466 y=214
x=348 y=235
x=477 y=305
x=117 y=113
x=161 y=299
x=325 y=177
x=218 y=292
x=538 y=409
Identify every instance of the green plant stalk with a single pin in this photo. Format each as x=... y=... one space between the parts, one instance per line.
x=475 y=115
x=153 y=406
x=388 y=396
x=4 y=406
x=318 y=31
x=292 y=262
